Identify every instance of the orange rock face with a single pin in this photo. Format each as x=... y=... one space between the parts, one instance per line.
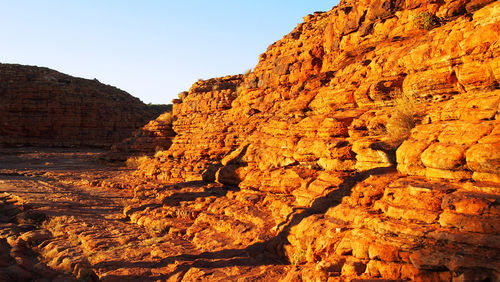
x=365 y=144
x=319 y=100
x=203 y=134
x=44 y=107
x=308 y=134
x=461 y=145
x=155 y=136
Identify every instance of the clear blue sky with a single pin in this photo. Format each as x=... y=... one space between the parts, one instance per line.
x=151 y=49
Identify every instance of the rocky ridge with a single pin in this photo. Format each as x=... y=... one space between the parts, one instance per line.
x=42 y=107
x=306 y=139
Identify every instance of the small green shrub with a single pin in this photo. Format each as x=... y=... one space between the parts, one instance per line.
x=298 y=256
x=426 y=20
x=159 y=108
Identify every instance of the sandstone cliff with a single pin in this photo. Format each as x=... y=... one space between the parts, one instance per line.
x=328 y=173
x=155 y=136
x=44 y=107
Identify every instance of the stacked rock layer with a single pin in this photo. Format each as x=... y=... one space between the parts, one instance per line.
x=308 y=138
x=44 y=107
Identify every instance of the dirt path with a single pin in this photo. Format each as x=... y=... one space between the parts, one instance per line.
x=83 y=232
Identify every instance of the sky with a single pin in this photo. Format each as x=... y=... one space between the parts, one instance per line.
x=152 y=49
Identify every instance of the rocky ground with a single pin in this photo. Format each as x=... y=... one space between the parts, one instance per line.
x=62 y=221
x=66 y=216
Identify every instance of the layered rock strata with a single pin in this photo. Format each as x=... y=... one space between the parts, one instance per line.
x=155 y=136
x=44 y=107
x=308 y=140
x=458 y=140
x=205 y=133
x=323 y=94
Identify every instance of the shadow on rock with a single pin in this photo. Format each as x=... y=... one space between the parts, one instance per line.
x=269 y=252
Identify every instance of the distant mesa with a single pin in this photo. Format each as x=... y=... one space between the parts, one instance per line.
x=43 y=107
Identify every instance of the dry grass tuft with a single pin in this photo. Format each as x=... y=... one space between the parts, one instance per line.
x=166 y=118
x=159 y=153
x=402 y=118
x=136 y=162
x=298 y=256
x=57 y=225
x=182 y=95
x=426 y=20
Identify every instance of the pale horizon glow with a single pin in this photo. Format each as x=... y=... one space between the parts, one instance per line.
x=151 y=49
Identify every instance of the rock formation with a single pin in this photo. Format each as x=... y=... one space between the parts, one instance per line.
x=155 y=136
x=365 y=144
x=204 y=133
x=312 y=139
x=44 y=107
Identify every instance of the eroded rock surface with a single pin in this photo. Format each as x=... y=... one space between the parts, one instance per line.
x=97 y=223
x=19 y=230
x=362 y=146
x=42 y=107
x=311 y=136
x=155 y=136
x=320 y=99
